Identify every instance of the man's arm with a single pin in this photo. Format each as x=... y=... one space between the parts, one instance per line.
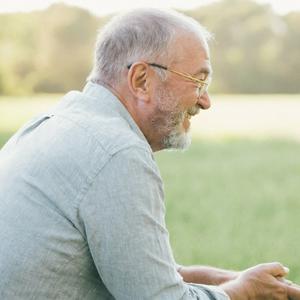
x=123 y=218
x=123 y=215
x=206 y=275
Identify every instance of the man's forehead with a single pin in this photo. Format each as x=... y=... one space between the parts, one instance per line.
x=193 y=53
x=196 y=65
x=200 y=58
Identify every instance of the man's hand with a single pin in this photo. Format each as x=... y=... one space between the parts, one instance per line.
x=262 y=282
x=293 y=292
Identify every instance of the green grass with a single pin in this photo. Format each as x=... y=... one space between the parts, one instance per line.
x=234 y=203
x=15 y=111
x=230 y=203
x=4 y=136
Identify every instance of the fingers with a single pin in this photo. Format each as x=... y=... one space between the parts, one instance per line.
x=275 y=269
x=293 y=292
x=285 y=281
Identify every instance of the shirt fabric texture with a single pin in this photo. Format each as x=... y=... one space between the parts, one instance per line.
x=82 y=212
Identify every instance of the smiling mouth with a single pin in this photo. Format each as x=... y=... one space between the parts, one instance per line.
x=192 y=111
x=189 y=115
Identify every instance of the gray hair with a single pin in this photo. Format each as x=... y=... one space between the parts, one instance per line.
x=141 y=34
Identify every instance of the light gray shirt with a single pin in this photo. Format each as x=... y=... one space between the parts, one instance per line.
x=82 y=212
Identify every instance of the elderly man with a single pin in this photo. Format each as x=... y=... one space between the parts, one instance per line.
x=81 y=199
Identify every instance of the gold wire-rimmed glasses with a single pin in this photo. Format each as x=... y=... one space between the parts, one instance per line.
x=202 y=85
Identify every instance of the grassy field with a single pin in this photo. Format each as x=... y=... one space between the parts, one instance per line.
x=231 y=202
x=234 y=203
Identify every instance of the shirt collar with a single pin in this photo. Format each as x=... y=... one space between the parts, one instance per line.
x=99 y=91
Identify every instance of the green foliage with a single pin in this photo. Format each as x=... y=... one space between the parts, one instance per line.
x=255 y=50
x=65 y=55
x=47 y=51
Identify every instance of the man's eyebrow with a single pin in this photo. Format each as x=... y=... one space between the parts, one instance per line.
x=206 y=71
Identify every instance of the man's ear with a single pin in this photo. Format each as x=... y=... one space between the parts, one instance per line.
x=138 y=81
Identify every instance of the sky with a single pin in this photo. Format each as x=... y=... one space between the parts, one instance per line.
x=103 y=7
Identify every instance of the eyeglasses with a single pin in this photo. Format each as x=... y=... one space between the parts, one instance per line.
x=202 y=85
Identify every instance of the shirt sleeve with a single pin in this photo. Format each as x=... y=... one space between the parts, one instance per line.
x=123 y=215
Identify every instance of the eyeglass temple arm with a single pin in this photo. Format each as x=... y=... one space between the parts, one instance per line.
x=176 y=72
x=151 y=64
x=189 y=77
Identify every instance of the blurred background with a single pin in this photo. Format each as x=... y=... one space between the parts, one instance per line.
x=233 y=199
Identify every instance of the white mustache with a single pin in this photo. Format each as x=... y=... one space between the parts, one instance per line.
x=193 y=110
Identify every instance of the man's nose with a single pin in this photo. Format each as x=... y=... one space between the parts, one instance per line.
x=204 y=101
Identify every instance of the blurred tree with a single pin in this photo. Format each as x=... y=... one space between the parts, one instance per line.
x=289 y=64
x=47 y=51
x=17 y=36
x=248 y=48
x=65 y=51
x=255 y=50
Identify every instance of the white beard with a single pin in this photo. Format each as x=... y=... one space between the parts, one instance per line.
x=177 y=139
x=168 y=120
